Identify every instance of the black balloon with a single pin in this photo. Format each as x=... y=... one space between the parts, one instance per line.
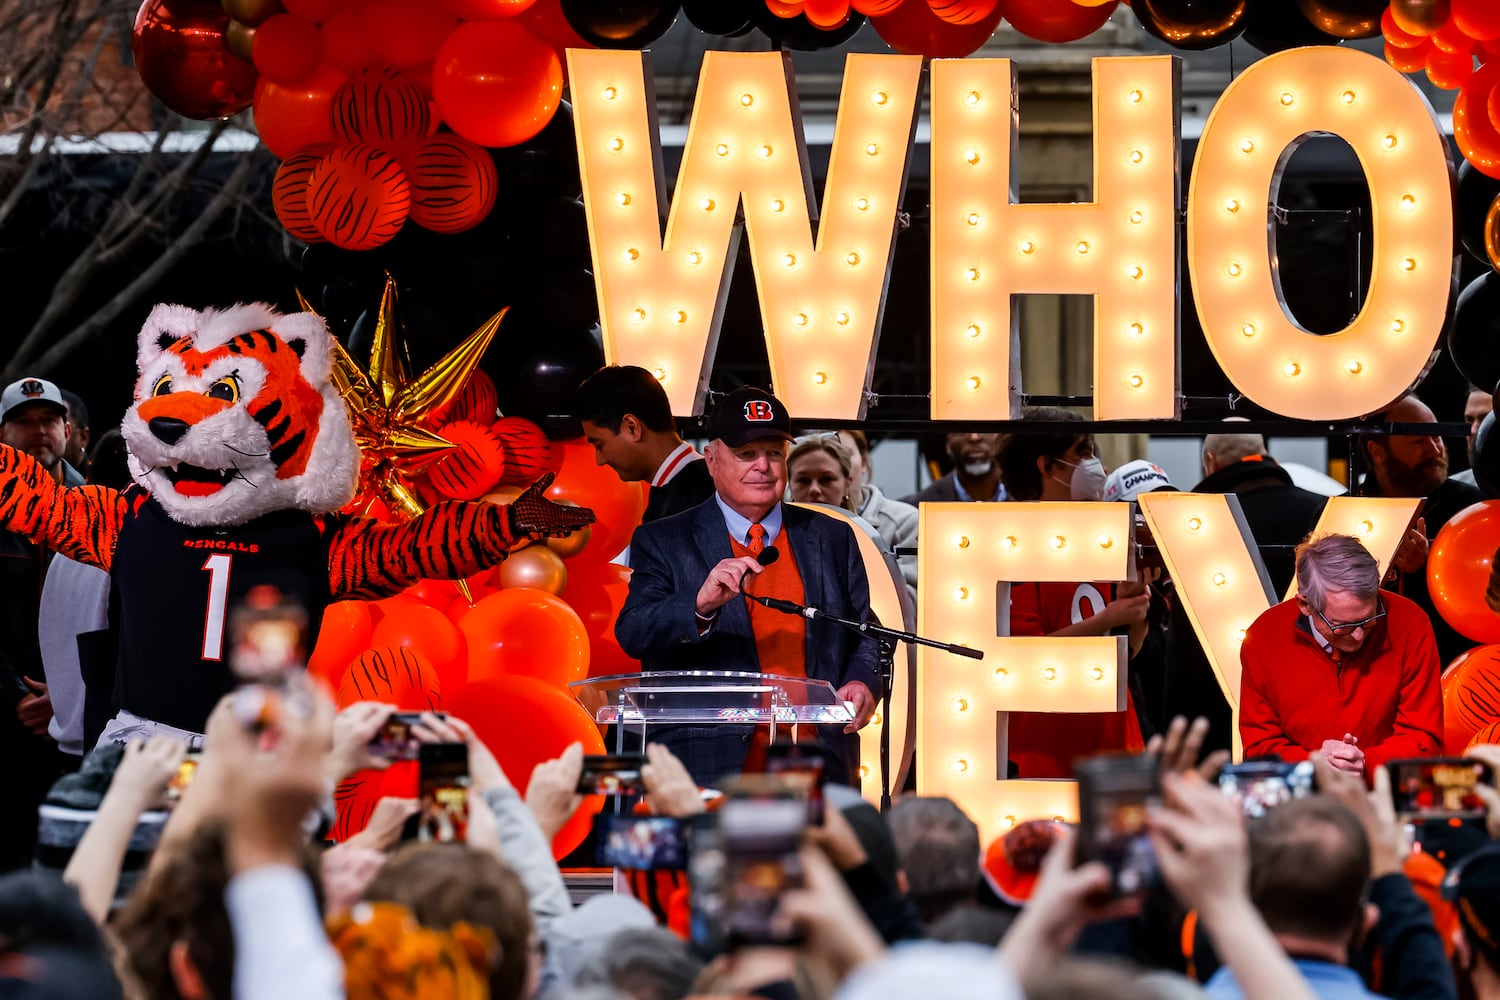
x=1476 y=195
x=801 y=34
x=1193 y=24
x=535 y=375
x=1345 y=18
x=1487 y=457
x=561 y=301
x=1474 y=333
x=555 y=232
x=1277 y=25
x=721 y=17
x=620 y=24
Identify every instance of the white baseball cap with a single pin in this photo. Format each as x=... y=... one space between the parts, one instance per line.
x=30 y=389
x=1133 y=478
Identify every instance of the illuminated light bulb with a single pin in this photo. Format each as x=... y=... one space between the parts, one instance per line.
x=971 y=274
x=1248 y=329
x=960 y=766
x=1137 y=157
x=871 y=149
x=1348 y=97
x=861 y=204
x=972 y=218
x=707 y=204
x=617 y=144
x=960 y=704
x=1009 y=542
x=879 y=98
x=1234 y=269
x=1058 y=542
x=875 y=719
x=694 y=258
x=638 y=314
x=1366 y=526
x=1026 y=246
x=973 y=383
x=819 y=378
x=864 y=770
x=1007 y=821
x=1398 y=325
x=1408 y=264
x=1137 y=329
x=746 y=100
x=960 y=593
x=679 y=317
x=660 y=374
x=764 y=152
x=722 y=149
x=1137 y=217
x=609 y=93
x=622 y=199
x=800 y=319
x=1287 y=100
x=1408 y=202
x=971 y=99
x=1195 y=523
x=1354 y=366
x=1389 y=141
x=1247 y=145
x=1231 y=205
x=631 y=254
x=1097 y=673
x=973 y=330
x=1134 y=96
x=1136 y=272
x=841 y=318
x=1220 y=579
x=961 y=541
x=851 y=258
x=1000 y=675
x=1291 y=369
x=1049 y=673
x=971 y=156
x=1081 y=248
x=1240 y=634
x=1106 y=542
x=1136 y=380
x=776 y=204
x=789 y=260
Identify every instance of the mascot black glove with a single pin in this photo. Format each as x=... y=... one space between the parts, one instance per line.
x=532 y=515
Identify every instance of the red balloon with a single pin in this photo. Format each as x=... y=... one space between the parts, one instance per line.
x=477 y=400
x=473 y=467
x=488 y=10
x=617 y=505
x=291 y=117
x=914 y=29
x=962 y=11
x=426 y=630
x=454 y=183
x=598 y=593
x=1450 y=70
x=545 y=20
x=289 y=193
x=358 y=197
x=345 y=46
x=184 y=60
x=342 y=636
x=1054 y=21
x=287 y=49
x=525 y=632
x=1479 y=19
x=403 y=33
x=1458 y=568
x=1395 y=35
x=525 y=722
x=528 y=454
x=314 y=10
x=1412 y=60
x=381 y=107
x=496 y=83
x=1471 y=697
x=433 y=593
x=1475 y=132
x=393 y=676
x=355 y=798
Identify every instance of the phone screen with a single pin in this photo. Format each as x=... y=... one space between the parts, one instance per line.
x=395 y=740
x=1438 y=787
x=1114 y=795
x=186 y=771
x=267 y=636
x=760 y=838
x=443 y=811
x=1264 y=784
x=804 y=770
x=640 y=843
x=618 y=774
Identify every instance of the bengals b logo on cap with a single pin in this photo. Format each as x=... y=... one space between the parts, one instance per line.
x=749 y=414
x=759 y=411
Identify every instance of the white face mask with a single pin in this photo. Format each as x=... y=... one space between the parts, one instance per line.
x=1088 y=479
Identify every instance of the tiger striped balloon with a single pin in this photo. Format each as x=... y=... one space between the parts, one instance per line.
x=393 y=675
x=875 y=8
x=474 y=465
x=289 y=192
x=358 y=197
x=381 y=107
x=528 y=453
x=453 y=183
x=963 y=11
x=477 y=400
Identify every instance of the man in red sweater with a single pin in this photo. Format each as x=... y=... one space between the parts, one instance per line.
x=1343 y=669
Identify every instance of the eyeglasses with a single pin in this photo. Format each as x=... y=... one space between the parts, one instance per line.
x=1345 y=628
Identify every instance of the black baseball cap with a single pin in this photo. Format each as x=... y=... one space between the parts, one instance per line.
x=1473 y=886
x=749 y=414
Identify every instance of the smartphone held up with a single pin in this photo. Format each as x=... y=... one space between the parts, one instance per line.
x=1115 y=794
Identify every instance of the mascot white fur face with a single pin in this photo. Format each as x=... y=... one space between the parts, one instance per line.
x=235 y=415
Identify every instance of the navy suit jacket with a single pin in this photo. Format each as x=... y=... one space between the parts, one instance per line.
x=672 y=557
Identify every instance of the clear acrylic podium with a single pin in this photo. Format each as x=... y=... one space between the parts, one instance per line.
x=707 y=697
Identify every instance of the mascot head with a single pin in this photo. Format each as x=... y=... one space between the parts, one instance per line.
x=235 y=415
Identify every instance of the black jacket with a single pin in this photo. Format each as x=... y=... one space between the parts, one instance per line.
x=691 y=486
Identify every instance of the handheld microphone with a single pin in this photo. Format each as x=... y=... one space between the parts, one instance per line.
x=765 y=557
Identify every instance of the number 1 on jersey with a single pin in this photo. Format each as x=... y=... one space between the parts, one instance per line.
x=217 y=566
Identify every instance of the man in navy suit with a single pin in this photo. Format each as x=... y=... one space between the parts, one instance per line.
x=685 y=612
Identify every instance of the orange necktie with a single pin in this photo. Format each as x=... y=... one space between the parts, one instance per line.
x=757 y=542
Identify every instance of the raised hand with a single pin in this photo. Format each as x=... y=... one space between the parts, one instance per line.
x=532 y=515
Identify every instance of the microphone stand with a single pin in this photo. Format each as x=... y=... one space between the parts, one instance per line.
x=885 y=641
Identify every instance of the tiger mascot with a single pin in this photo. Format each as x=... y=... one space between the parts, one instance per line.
x=240 y=452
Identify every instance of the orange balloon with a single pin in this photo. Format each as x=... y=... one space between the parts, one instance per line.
x=288 y=117
x=342 y=636
x=496 y=83
x=434 y=593
x=617 y=505
x=535 y=566
x=358 y=197
x=1478 y=137
x=1488 y=736
x=289 y=193
x=597 y=593
x=525 y=632
x=524 y=722
x=1458 y=568
x=1471 y=696
x=394 y=676
x=474 y=465
x=426 y=630
x=355 y=798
